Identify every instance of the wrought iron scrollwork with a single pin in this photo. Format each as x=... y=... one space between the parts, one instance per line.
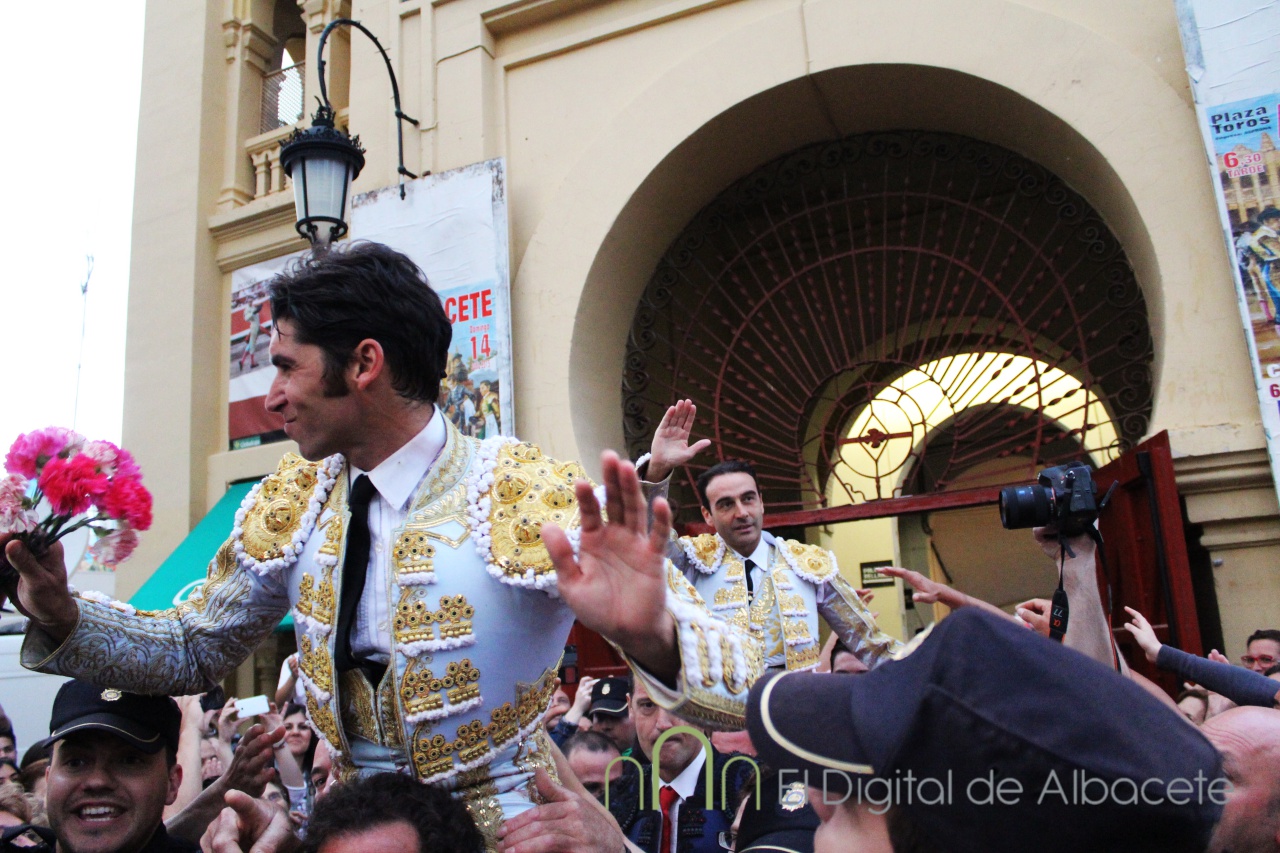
x=807 y=289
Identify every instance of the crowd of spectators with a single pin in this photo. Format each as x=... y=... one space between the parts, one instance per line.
x=978 y=694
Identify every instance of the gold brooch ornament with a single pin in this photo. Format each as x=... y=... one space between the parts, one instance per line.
x=278 y=515
x=513 y=490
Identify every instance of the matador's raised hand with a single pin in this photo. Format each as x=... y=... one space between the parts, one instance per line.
x=617 y=584
x=671 y=447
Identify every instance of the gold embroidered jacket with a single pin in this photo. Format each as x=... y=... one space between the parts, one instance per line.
x=726 y=643
x=478 y=627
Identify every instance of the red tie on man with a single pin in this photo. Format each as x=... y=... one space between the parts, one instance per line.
x=668 y=797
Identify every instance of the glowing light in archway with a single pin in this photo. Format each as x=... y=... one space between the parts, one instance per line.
x=891 y=429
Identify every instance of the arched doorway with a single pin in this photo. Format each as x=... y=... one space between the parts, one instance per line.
x=891 y=317
x=809 y=289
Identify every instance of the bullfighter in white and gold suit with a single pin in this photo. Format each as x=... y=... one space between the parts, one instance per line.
x=777 y=604
x=460 y=625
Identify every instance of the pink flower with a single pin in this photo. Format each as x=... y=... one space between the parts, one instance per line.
x=31 y=451
x=126 y=466
x=17 y=520
x=15 y=517
x=13 y=491
x=72 y=484
x=128 y=500
x=115 y=547
x=104 y=454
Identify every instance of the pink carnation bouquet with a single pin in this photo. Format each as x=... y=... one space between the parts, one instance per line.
x=90 y=484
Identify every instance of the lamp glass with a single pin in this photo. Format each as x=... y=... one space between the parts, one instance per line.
x=320 y=186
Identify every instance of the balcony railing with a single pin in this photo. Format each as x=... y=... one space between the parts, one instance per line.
x=282 y=98
x=264 y=154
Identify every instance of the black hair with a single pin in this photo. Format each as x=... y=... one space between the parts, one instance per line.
x=308 y=758
x=590 y=741
x=1268 y=213
x=338 y=297
x=1263 y=634
x=729 y=466
x=441 y=822
x=1272 y=670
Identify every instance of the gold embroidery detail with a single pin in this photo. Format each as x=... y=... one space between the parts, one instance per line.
x=413 y=553
x=460 y=681
x=454 y=617
x=762 y=605
x=814 y=559
x=532 y=700
x=733 y=679
x=704 y=655
x=277 y=513
x=482 y=804
x=422 y=690
x=734 y=596
x=417 y=692
x=388 y=711
x=316 y=664
x=323 y=606
x=306 y=594
x=704 y=547
x=333 y=527
x=413 y=619
x=434 y=755
x=799 y=658
x=357 y=702
x=321 y=717
x=528 y=491
x=791 y=602
x=795 y=629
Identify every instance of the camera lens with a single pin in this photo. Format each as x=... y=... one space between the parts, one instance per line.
x=1025 y=506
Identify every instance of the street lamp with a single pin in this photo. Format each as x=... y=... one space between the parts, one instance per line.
x=327 y=159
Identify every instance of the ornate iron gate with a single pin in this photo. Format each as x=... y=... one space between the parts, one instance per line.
x=868 y=318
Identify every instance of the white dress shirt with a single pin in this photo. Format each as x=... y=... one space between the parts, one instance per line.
x=760 y=556
x=396 y=480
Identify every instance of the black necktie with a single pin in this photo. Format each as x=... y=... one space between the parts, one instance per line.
x=750 y=566
x=355 y=565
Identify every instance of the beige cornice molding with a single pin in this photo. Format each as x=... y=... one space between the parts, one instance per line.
x=319 y=13
x=258 y=231
x=1232 y=497
x=1222 y=472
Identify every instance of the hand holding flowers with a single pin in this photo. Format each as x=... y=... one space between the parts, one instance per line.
x=92 y=484
x=74 y=476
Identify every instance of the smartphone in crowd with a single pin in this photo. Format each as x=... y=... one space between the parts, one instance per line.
x=252 y=706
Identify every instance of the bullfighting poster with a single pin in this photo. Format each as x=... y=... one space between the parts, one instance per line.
x=454 y=226
x=1234 y=71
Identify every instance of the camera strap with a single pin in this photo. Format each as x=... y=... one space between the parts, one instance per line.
x=1060 y=610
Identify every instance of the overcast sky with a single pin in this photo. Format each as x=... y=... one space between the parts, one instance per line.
x=73 y=71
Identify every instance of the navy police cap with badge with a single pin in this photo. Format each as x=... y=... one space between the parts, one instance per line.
x=989 y=737
x=149 y=723
x=609 y=696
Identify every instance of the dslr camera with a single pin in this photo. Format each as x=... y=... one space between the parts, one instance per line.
x=1064 y=496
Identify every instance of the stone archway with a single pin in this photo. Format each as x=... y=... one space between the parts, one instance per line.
x=803 y=291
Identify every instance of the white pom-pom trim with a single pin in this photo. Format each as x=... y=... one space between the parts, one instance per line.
x=417 y=647
x=102 y=598
x=449 y=710
x=702 y=567
x=326 y=476
x=479 y=482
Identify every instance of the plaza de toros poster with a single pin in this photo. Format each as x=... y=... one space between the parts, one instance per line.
x=454 y=227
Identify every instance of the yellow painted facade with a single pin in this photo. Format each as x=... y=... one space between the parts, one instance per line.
x=619 y=120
